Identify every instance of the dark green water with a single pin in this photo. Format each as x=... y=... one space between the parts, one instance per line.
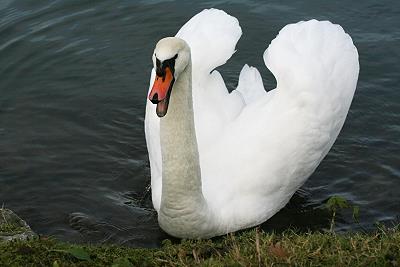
x=73 y=82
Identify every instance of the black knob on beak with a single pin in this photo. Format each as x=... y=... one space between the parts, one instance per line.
x=154 y=99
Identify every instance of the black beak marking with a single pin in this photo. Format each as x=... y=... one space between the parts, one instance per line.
x=161 y=65
x=155 y=100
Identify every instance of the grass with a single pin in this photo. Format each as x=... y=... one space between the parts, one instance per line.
x=248 y=248
x=9 y=225
x=10 y=228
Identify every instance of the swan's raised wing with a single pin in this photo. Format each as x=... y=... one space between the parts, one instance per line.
x=269 y=150
x=212 y=36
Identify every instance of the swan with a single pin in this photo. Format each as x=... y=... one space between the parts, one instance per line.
x=224 y=161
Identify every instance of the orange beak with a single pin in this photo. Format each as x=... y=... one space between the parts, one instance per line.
x=161 y=91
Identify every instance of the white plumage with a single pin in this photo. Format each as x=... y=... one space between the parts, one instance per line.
x=256 y=148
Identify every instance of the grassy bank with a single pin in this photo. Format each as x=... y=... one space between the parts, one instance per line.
x=249 y=248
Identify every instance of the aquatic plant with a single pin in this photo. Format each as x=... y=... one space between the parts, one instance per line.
x=336 y=203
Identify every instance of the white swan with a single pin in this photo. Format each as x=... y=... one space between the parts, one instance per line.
x=223 y=161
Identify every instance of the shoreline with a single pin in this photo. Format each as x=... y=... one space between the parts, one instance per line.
x=251 y=247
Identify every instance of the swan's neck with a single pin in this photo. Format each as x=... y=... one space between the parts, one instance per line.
x=182 y=201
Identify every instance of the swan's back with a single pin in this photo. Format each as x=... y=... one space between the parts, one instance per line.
x=257 y=148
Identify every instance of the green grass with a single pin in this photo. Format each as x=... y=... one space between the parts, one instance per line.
x=248 y=248
x=9 y=226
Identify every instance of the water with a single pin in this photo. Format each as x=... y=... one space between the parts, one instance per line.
x=73 y=82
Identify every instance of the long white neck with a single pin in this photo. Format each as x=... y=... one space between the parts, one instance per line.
x=183 y=210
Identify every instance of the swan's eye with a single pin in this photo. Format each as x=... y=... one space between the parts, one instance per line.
x=176 y=56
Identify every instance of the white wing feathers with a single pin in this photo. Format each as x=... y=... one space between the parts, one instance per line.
x=269 y=150
x=212 y=36
x=305 y=54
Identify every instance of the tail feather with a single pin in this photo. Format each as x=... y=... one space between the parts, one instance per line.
x=250 y=84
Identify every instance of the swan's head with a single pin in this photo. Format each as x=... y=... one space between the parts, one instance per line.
x=170 y=58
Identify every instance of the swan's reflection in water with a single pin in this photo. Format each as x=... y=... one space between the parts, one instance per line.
x=300 y=214
x=134 y=223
